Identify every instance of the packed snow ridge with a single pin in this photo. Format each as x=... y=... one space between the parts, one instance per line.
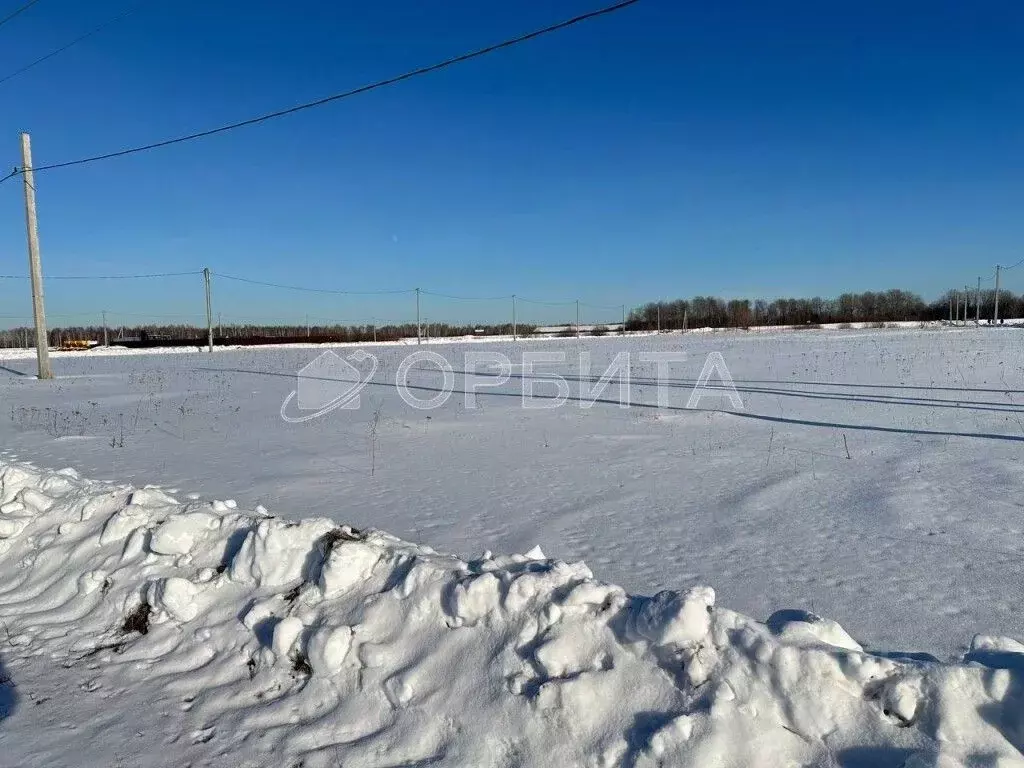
x=312 y=644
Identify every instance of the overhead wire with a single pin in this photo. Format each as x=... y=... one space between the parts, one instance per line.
x=76 y=41
x=465 y=298
x=14 y=14
x=310 y=290
x=353 y=92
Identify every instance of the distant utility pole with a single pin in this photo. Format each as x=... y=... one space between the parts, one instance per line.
x=34 y=265
x=209 y=310
x=515 y=328
x=623 y=319
x=977 y=304
x=659 y=317
x=967 y=299
x=106 y=340
x=577 y=318
x=950 y=307
x=419 y=329
x=995 y=315
x=307 y=326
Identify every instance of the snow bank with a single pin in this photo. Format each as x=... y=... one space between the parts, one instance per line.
x=314 y=644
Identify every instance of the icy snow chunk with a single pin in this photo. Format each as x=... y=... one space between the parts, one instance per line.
x=993 y=643
x=594 y=593
x=123 y=522
x=12 y=526
x=178 y=534
x=996 y=652
x=276 y=552
x=537 y=586
x=152 y=498
x=328 y=648
x=90 y=581
x=176 y=597
x=903 y=699
x=671 y=618
x=536 y=553
x=260 y=610
x=475 y=598
x=57 y=485
x=347 y=564
x=286 y=632
x=34 y=500
x=11 y=508
x=798 y=627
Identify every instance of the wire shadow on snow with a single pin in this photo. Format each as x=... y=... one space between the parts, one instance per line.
x=8 y=693
x=654 y=406
x=879 y=399
x=12 y=371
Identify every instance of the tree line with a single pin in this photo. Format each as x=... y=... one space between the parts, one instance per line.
x=186 y=335
x=871 y=306
x=697 y=312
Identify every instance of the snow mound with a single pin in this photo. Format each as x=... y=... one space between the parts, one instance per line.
x=313 y=644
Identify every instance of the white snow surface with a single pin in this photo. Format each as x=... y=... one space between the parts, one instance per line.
x=141 y=630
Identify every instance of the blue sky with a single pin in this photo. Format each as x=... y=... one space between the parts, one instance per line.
x=671 y=149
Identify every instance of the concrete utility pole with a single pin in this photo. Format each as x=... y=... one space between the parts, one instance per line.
x=209 y=310
x=995 y=315
x=419 y=330
x=967 y=299
x=577 y=318
x=659 y=317
x=515 y=328
x=951 y=307
x=623 y=319
x=34 y=266
x=106 y=340
x=977 y=304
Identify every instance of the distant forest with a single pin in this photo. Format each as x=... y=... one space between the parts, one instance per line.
x=885 y=306
x=191 y=335
x=698 y=312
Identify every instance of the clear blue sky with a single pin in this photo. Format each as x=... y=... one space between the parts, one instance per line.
x=671 y=149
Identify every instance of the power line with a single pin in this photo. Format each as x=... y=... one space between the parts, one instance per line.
x=1014 y=266
x=310 y=290
x=73 y=43
x=104 y=277
x=17 y=12
x=465 y=298
x=547 y=303
x=355 y=91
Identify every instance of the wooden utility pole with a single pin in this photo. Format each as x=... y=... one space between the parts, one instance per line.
x=209 y=310
x=977 y=304
x=34 y=266
x=995 y=315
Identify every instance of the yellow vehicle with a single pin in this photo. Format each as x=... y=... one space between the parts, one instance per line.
x=72 y=345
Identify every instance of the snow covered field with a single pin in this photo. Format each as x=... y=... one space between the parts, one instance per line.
x=873 y=477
